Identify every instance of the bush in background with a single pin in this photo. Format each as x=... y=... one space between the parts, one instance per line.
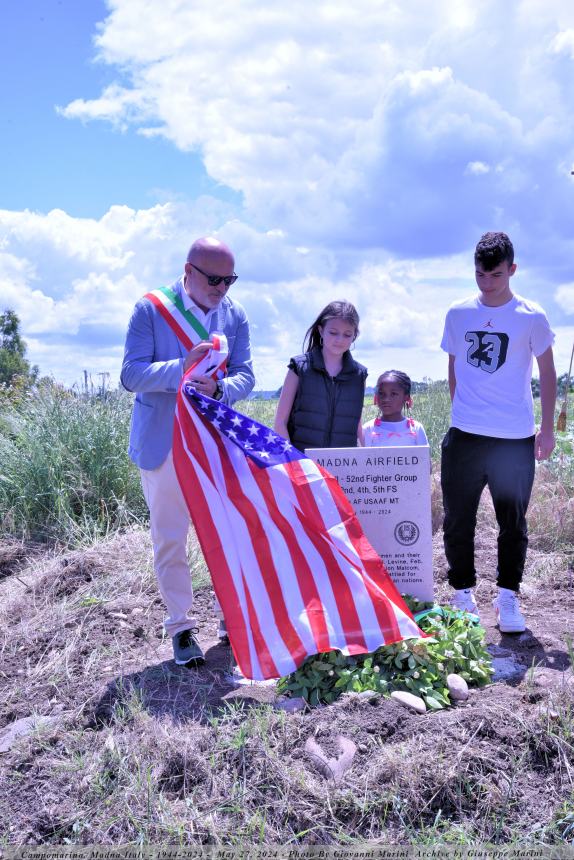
x=65 y=474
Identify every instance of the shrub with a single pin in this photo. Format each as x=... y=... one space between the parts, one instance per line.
x=65 y=473
x=419 y=666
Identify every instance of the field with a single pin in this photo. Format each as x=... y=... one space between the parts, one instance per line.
x=117 y=745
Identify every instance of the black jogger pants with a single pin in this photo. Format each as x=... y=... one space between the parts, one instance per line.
x=469 y=463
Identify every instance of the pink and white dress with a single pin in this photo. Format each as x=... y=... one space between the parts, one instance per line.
x=405 y=432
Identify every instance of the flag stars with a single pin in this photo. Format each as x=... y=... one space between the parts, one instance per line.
x=275 y=506
x=261 y=444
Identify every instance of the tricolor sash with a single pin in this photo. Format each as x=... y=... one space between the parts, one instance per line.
x=182 y=322
x=189 y=331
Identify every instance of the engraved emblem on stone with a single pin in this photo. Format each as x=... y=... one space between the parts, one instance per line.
x=407 y=532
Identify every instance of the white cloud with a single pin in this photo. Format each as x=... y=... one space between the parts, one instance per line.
x=77 y=320
x=376 y=138
x=563 y=348
x=372 y=143
x=563 y=43
x=565 y=297
x=116 y=105
x=477 y=168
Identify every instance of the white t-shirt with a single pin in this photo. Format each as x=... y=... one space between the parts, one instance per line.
x=493 y=350
x=405 y=432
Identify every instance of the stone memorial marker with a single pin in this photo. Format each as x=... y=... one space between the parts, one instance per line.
x=389 y=489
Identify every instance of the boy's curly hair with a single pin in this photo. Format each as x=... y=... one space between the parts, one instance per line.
x=492 y=250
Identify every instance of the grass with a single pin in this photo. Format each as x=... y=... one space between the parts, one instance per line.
x=138 y=753
x=240 y=777
x=141 y=752
x=65 y=476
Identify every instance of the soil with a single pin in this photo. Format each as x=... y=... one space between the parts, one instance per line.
x=497 y=765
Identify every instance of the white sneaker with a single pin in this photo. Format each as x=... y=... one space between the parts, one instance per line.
x=508 y=615
x=464 y=600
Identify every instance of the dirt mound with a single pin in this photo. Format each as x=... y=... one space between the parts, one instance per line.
x=137 y=749
x=15 y=555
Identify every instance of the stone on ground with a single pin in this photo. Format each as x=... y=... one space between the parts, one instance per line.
x=457 y=687
x=409 y=700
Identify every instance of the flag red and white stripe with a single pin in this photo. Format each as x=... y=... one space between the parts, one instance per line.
x=214 y=361
x=290 y=565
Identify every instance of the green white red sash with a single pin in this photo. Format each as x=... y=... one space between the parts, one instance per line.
x=190 y=332
x=182 y=322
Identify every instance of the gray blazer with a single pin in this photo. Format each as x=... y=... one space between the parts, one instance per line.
x=153 y=367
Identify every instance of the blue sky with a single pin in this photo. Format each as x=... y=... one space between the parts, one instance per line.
x=342 y=151
x=48 y=59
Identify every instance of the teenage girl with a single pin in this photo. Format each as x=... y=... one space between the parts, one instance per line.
x=322 y=397
x=391 y=426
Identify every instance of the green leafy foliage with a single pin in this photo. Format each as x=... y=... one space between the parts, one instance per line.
x=454 y=644
x=13 y=364
x=415 y=605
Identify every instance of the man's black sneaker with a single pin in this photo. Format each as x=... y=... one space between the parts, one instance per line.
x=186 y=650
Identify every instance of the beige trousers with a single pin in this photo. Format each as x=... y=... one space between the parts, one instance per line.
x=169 y=524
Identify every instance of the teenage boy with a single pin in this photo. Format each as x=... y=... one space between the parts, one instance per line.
x=490 y=340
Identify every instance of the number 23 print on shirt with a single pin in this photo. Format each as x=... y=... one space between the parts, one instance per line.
x=487 y=350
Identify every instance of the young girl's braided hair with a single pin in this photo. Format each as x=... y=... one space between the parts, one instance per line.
x=402 y=380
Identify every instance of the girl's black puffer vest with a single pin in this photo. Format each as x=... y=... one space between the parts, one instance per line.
x=326 y=410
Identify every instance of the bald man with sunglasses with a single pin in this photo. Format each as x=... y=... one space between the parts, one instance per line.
x=155 y=360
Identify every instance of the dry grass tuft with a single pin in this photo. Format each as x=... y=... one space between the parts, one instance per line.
x=139 y=751
x=551 y=513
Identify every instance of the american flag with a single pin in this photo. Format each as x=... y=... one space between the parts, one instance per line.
x=290 y=565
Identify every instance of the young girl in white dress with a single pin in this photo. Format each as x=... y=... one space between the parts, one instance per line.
x=392 y=426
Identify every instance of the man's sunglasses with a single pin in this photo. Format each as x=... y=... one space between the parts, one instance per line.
x=215 y=280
